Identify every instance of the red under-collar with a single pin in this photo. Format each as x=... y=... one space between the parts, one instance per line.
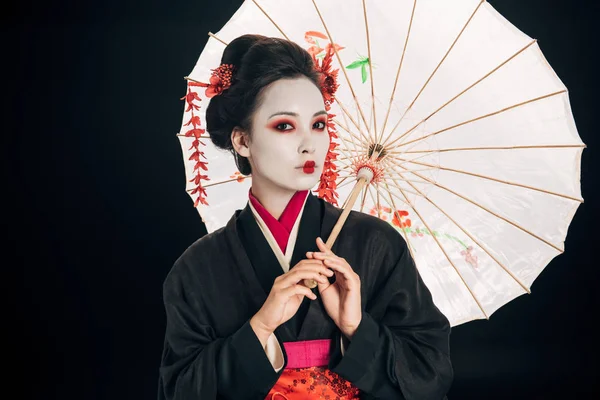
x=281 y=229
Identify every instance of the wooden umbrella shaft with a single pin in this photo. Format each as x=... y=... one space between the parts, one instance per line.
x=360 y=184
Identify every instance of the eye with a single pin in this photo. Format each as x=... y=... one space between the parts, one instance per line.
x=284 y=126
x=319 y=125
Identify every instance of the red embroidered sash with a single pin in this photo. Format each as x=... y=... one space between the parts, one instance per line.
x=306 y=375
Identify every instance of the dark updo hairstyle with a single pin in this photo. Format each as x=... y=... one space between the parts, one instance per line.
x=259 y=61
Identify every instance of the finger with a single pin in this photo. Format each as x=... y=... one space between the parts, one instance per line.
x=312 y=265
x=322 y=256
x=304 y=265
x=298 y=289
x=343 y=268
x=298 y=276
x=322 y=246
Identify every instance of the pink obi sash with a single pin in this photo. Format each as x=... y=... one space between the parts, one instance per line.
x=306 y=354
x=306 y=375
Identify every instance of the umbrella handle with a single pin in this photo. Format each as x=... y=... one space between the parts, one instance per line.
x=362 y=182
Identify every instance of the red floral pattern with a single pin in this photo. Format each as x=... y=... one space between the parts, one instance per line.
x=313 y=383
x=329 y=85
x=220 y=80
x=238 y=176
x=198 y=156
x=381 y=211
x=470 y=258
x=399 y=219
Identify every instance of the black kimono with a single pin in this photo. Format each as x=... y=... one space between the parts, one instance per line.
x=399 y=351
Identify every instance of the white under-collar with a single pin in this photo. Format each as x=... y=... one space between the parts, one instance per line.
x=284 y=259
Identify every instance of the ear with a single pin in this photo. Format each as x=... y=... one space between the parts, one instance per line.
x=240 y=141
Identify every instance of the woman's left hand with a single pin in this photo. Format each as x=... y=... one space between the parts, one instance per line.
x=342 y=298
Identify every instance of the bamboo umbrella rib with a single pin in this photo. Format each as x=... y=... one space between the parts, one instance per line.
x=392 y=205
x=482 y=117
x=475 y=241
x=345 y=116
x=344 y=159
x=364 y=198
x=435 y=70
x=375 y=202
x=370 y=70
x=458 y=95
x=391 y=197
x=365 y=139
x=344 y=184
x=387 y=114
x=341 y=65
x=352 y=139
x=404 y=233
x=212 y=35
x=345 y=166
x=411 y=159
x=445 y=254
x=395 y=184
x=222 y=182
x=405 y=180
x=270 y=19
x=342 y=180
x=344 y=142
x=549 y=146
x=458 y=171
x=489 y=211
x=353 y=135
x=193 y=137
x=414 y=170
x=355 y=150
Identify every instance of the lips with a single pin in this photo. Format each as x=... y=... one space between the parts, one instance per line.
x=309 y=167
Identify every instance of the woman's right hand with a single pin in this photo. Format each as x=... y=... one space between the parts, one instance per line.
x=286 y=295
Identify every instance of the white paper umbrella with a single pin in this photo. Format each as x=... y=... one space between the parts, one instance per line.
x=467 y=127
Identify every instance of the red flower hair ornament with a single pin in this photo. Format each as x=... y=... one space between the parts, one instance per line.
x=220 y=80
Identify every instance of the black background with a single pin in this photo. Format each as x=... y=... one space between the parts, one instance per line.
x=96 y=211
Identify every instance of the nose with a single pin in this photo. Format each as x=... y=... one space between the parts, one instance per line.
x=307 y=143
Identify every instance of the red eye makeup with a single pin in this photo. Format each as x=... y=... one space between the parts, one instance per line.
x=281 y=125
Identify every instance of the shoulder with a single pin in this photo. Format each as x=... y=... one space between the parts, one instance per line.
x=370 y=229
x=195 y=258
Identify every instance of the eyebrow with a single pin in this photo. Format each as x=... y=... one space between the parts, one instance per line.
x=293 y=114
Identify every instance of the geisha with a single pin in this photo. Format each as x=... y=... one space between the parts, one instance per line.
x=241 y=323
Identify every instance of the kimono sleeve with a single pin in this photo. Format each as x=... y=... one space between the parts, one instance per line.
x=196 y=364
x=401 y=347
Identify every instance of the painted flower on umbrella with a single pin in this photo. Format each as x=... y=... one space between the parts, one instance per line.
x=381 y=211
x=329 y=76
x=399 y=219
x=328 y=82
x=197 y=155
x=470 y=258
x=238 y=176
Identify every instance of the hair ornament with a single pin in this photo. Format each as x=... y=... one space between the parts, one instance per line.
x=220 y=80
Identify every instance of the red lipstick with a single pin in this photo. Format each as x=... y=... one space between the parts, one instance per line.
x=309 y=167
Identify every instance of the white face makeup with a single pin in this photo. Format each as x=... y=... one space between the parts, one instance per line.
x=289 y=134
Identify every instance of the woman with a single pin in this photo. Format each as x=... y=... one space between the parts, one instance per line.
x=240 y=322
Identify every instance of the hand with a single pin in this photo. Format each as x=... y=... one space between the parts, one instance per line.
x=286 y=296
x=341 y=299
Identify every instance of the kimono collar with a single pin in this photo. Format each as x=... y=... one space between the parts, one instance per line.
x=282 y=227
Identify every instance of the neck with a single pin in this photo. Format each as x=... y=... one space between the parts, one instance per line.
x=273 y=198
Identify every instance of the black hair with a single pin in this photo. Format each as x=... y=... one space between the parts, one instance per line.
x=258 y=61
